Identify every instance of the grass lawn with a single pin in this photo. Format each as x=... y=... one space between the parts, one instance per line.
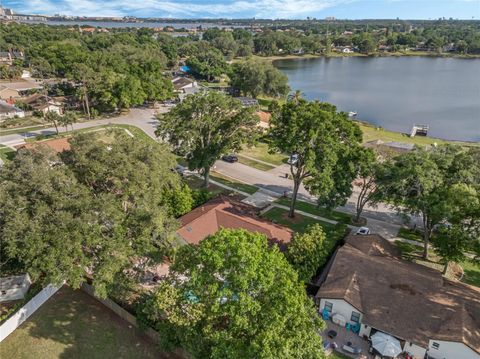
x=318 y=211
x=72 y=324
x=260 y=152
x=232 y=183
x=255 y=164
x=371 y=133
x=413 y=253
x=300 y=224
x=338 y=355
x=6 y=153
x=413 y=235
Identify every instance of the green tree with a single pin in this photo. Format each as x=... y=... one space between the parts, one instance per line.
x=317 y=134
x=427 y=183
x=239 y=298
x=307 y=252
x=253 y=78
x=54 y=118
x=208 y=64
x=205 y=126
x=68 y=118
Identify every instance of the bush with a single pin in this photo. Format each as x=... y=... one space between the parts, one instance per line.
x=201 y=196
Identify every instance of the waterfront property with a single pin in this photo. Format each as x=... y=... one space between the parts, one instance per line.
x=368 y=288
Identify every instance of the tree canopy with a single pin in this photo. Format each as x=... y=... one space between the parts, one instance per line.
x=324 y=142
x=205 y=126
x=233 y=296
x=256 y=77
x=307 y=252
x=93 y=210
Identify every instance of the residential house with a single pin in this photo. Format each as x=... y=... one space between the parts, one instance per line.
x=224 y=212
x=181 y=83
x=9 y=111
x=58 y=145
x=7 y=57
x=8 y=94
x=14 y=287
x=373 y=289
x=43 y=103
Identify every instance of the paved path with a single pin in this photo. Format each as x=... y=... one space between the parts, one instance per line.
x=143 y=118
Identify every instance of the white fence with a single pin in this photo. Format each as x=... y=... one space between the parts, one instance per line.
x=26 y=311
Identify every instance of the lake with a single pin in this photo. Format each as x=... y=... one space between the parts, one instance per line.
x=396 y=92
x=124 y=24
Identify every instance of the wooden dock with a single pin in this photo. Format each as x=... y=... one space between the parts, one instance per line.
x=420 y=130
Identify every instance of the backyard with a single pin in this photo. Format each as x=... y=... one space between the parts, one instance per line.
x=72 y=324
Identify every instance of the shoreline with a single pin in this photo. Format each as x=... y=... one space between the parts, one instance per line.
x=374 y=55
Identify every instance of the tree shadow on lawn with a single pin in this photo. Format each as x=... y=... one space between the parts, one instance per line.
x=81 y=327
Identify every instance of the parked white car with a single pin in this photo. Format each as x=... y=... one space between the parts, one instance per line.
x=293 y=159
x=363 y=231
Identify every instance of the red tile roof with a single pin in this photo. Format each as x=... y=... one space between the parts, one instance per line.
x=223 y=212
x=58 y=145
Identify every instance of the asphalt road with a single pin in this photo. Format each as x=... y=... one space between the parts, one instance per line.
x=273 y=180
x=142 y=118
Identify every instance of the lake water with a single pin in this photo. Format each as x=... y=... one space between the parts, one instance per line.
x=396 y=92
x=122 y=24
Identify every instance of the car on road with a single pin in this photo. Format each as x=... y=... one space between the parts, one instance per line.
x=230 y=158
x=293 y=159
x=182 y=170
x=362 y=231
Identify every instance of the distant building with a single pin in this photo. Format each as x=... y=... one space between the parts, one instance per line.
x=58 y=145
x=181 y=83
x=8 y=94
x=247 y=101
x=7 y=57
x=9 y=111
x=43 y=103
x=330 y=18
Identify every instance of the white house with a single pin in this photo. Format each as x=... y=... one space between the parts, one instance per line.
x=9 y=111
x=369 y=287
x=181 y=83
x=14 y=287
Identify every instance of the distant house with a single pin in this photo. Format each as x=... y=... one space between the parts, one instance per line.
x=14 y=287
x=224 y=212
x=7 y=93
x=181 y=83
x=9 y=111
x=43 y=103
x=58 y=145
x=7 y=57
x=369 y=287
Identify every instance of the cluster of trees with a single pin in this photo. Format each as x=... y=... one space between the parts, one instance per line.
x=110 y=70
x=96 y=210
x=233 y=296
x=253 y=78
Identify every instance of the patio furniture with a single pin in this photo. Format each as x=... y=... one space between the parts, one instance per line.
x=386 y=345
x=332 y=334
x=352 y=350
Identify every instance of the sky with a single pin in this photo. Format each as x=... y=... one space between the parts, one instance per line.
x=269 y=9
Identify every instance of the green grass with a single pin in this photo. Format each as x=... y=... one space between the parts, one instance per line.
x=338 y=355
x=72 y=324
x=260 y=152
x=371 y=133
x=255 y=164
x=234 y=184
x=6 y=153
x=471 y=269
x=413 y=235
x=318 y=211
